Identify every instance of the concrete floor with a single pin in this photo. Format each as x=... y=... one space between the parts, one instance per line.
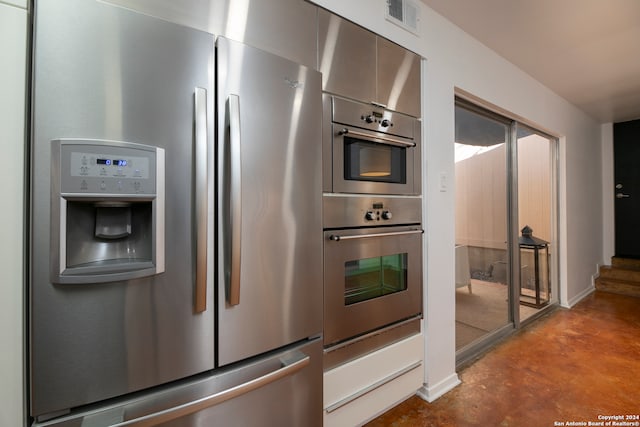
x=570 y=367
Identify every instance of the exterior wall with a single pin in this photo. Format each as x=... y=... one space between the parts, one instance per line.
x=13 y=50
x=534 y=186
x=481 y=205
x=457 y=63
x=481 y=214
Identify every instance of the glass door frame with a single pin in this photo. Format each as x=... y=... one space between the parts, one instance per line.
x=514 y=322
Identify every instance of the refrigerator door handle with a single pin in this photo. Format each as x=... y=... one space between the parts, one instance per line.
x=288 y=367
x=235 y=198
x=201 y=201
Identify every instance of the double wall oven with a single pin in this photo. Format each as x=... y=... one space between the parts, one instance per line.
x=372 y=219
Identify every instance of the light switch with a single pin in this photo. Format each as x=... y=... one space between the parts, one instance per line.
x=444 y=184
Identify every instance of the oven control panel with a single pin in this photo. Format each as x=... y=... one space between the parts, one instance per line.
x=375 y=118
x=357 y=211
x=378 y=212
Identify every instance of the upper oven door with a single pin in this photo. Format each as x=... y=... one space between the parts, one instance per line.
x=373 y=278
x=369 y=162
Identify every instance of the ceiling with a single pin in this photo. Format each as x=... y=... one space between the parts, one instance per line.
x=586 y=51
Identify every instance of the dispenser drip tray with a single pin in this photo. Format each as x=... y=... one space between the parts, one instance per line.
x=108 y=240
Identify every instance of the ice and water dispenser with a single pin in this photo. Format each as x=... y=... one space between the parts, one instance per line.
x=107 y=211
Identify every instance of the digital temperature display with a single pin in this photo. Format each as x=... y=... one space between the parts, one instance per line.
x=117 y=165
x=109 y=162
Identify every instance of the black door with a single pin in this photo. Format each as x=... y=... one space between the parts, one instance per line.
x=626 y=146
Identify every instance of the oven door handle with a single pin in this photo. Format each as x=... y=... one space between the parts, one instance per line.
x=382 y=139
x=337 y=238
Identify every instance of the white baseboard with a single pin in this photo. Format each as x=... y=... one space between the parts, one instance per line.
x=573 y=301
x=431 y=393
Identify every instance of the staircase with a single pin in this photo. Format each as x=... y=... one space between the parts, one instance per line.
x=622 y=277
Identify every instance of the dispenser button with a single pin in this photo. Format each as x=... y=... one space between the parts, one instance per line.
x=103 y=186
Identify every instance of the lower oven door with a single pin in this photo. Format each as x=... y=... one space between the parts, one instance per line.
x=373 y=278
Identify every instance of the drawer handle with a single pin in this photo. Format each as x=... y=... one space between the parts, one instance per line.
x=287 y=369
x=339 y=404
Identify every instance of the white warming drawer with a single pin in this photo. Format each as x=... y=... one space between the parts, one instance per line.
x=358 y=391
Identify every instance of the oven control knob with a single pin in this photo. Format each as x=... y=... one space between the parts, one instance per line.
x=386 y=215
x=370 y=216
x=369 y=119
x=385 y=123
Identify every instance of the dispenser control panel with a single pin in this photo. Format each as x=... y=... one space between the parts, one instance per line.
x=104 y=165
x=88 y=167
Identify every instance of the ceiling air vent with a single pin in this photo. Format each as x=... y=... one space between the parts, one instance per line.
x=405 y=13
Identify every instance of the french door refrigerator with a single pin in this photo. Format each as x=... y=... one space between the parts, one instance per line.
x=175 y=271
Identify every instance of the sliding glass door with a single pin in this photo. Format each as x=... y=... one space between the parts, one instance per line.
x=505 y=226
x=536 y=219
x=482 y=254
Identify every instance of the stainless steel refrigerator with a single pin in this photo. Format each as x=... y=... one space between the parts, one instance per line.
x=176 y=238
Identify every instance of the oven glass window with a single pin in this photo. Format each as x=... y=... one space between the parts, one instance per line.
x=370 y=278
x=368 y=161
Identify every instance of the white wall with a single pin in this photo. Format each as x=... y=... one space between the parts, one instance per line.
x=13 y=33
x=456 y=61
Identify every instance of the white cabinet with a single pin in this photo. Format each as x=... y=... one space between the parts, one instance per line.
x=18 y=3
x=13 y=54
x=362 y=389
